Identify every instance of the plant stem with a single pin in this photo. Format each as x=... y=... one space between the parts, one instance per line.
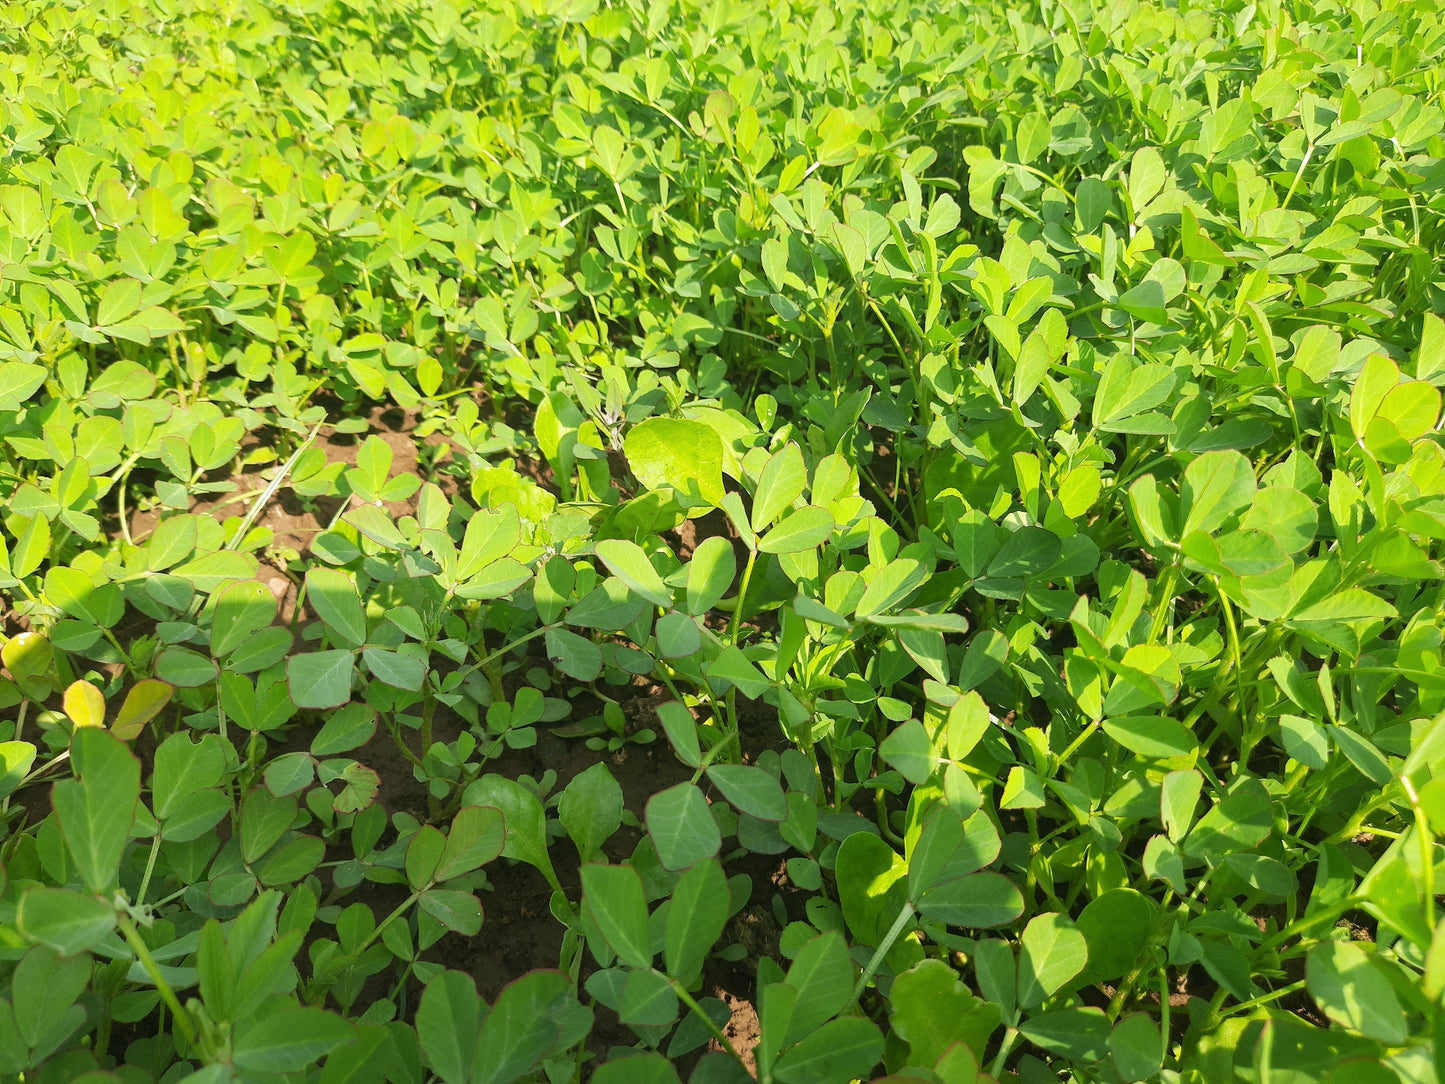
x=143 y=954
x=693 y=1006
x=1009 y=1038
x=397 y=912
x=742 y=597
x=140 y=896
x=905 y=915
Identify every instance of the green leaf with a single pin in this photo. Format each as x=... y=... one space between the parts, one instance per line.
x=1364 y=756
x=181 y=768
x=477 y=836
x=1029 y=551
x=683 y=455
x=979 y=901
x=120 y=299
x=892 y=586
x=290 y=862
x=909 y=750
x=209 y=572
x=872 y=886
x=531 y=1015
x=348 y=728
x=1080 y=1034
x=320 y=679
x=1151 y=735
x=376 y=525
x=681 y=729
x=240 y=611
x=264 y=820
x=1136 y=1047
x=576 y=656
x=16 y=757
x=448 y=1020
x=523 y=816
x=931 y=1010
x=44 y=987
x=1178 y=799
x=184 y=668
x=804 y=529
x=1216 y=486
x=627 y=561
x=681 y=827
x=1032 y=136
x=399 y=669
x=333 y=596
x=677 y=636
x=1052 y=951
x=97 y=807
x=1305 y=741
x=750 y=790
x=648 y=1000
x=1126 y=392
x=1239 y=822
x=780 y=483
x=709 y=574
x=696 y=918
x=590 y=809
x=18 y=382
x=68 y=922
x=841 y=1049
x=173 y=540
x=636 y=1069
x=822 y=975
x=458 y=911
x=289 y=1040
x=1350 y=985
x=734 y=667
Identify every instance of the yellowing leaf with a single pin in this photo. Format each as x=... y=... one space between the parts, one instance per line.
x=84 y=704
x=146 y=700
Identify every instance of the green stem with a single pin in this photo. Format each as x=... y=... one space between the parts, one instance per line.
x=140 y=896
x=693 y=1006
x=183 y=1022
x=504 y=649
x=742 y=596
x=1073 y=746
x=1009 y=1038
x=905 y=915
x=401 y=909
x=1166 y=601
x=1298 y=173
x=1265 y=999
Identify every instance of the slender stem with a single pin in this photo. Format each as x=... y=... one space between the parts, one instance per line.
x=270 y=491
x=905 y=915
x=1166 y=601
x=485 y=660
x=1265 y=999
x=411 y=757
x=1298 y=173
x=1163 y=1016
x=742 y=596
x=1073 y=746
x=717 y=1032
x=397 y=912
x=140 y=896
x=1009 y=1038
x=143 y=954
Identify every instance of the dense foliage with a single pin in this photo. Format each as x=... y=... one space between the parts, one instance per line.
x=989 y=450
